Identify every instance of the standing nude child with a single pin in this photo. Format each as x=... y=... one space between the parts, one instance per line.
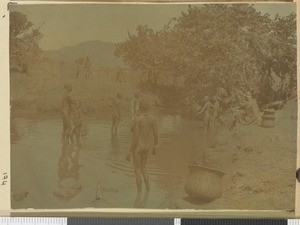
x=76 y=116
x=135 y=107
x=206 y=109
x=116 y=115
x=144 y=135
x=67 y=104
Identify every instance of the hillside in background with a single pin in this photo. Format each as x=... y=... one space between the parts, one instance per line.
x=100 y=53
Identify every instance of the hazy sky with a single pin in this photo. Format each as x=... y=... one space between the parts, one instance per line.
x=67 y=25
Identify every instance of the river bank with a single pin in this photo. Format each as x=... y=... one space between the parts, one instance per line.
x=259 y=163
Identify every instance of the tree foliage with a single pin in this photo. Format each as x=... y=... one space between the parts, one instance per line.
x=216 y=46
x=24 y=41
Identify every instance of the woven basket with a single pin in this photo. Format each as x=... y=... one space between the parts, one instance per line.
x=204 y=183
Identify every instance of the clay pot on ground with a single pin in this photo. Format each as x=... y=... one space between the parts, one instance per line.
x=204 y=183
x=268 y=118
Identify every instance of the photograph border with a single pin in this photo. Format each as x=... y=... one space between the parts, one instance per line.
x=5 y=204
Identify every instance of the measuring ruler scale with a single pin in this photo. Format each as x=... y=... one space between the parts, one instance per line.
x=140 y=221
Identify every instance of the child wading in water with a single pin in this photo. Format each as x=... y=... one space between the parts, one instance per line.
x=76 y=117
x=144 y=129
x=67 y=104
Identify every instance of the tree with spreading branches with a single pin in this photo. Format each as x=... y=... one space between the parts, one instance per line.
x=216 y=46
x=24 y=42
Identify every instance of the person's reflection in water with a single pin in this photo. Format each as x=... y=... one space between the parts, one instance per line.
x=141 y=202
x=68 y=174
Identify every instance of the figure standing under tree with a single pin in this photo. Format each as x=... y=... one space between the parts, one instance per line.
x=116 y=115
x=206 y=109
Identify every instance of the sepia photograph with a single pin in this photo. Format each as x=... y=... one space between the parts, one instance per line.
x=153 y=106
